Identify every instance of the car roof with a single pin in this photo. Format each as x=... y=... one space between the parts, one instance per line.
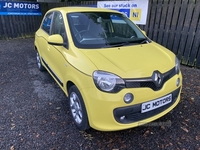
x=70 y=9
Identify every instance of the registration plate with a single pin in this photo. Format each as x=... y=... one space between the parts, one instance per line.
x=151 y=105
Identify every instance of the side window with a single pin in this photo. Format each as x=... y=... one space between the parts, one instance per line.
x=58 y=26
x=46 y=24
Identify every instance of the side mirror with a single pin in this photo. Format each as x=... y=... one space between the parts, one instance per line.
x=55 y=39
x=144 y=32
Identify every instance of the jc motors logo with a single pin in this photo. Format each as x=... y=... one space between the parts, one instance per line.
x=7 y=5
x=146 y=107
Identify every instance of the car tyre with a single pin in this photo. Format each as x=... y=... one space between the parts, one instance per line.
x=77 y=108
x=39 y=63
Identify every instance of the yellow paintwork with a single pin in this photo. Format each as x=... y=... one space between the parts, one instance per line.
x=77 y=66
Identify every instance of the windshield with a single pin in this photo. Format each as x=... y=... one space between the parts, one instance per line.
x=103 y=29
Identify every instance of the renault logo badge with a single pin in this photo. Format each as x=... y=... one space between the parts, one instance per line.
x=157 y=78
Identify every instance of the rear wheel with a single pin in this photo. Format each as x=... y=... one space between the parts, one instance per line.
x=39 y=64
x=78 y=109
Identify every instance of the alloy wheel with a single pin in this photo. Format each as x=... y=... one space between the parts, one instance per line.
x=76 y=108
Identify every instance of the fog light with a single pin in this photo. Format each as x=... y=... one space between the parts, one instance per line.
x=128 y=98
x=178 y=82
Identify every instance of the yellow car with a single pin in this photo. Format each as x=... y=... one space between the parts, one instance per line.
x=114 y=76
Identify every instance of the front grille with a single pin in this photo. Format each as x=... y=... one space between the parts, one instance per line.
x=148 y=82
x=133 y=113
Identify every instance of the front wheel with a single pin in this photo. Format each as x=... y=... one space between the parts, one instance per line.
x=78 y=109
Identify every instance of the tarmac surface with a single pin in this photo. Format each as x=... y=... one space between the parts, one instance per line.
x=34 y=112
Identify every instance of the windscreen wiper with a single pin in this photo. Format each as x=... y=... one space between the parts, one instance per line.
x=120 y=44
x=140 y=41
x=116 y=44
x=144 y=41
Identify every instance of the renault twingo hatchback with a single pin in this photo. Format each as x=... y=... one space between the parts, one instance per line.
x=114 y=76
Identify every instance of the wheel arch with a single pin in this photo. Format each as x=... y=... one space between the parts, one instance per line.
x=35 y=47
x=70 y=84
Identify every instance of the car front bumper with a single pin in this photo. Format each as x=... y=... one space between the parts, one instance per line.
x=105 y=109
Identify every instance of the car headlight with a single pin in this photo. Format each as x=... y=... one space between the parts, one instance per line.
x=108 y=82
x=177 y=66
